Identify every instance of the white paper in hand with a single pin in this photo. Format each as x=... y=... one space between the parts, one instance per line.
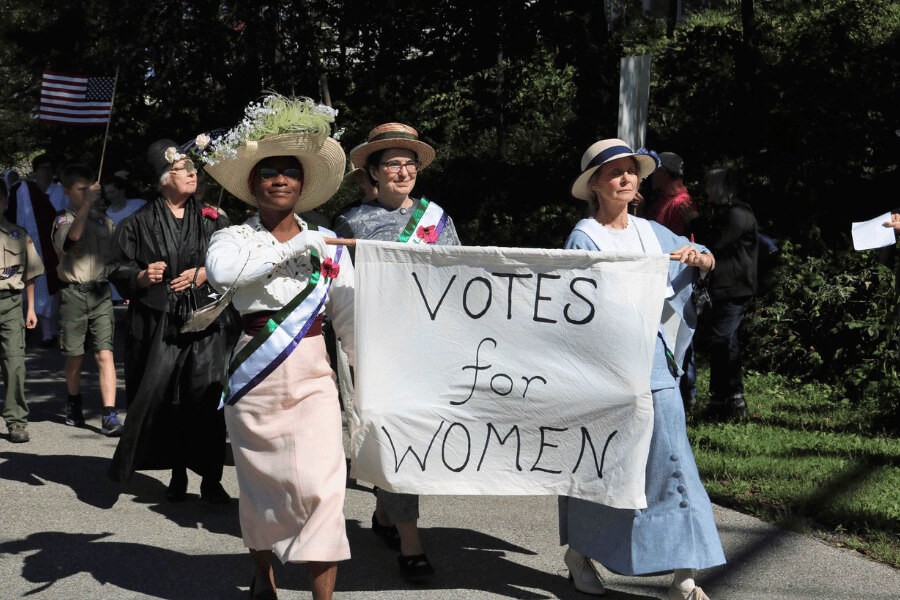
x=872 y=233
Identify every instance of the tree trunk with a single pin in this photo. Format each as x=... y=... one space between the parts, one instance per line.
x=499 y=92
x=672 y=19
x=323 y=87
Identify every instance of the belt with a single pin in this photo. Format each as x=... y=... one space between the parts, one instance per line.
x=4 y=294
x=90 y=286
x=252 y=323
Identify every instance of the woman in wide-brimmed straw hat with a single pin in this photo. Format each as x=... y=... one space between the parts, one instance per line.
x=281 y=404
x=392 y=158
x=676 y=531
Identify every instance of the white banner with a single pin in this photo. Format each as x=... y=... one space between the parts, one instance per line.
x=505 y=370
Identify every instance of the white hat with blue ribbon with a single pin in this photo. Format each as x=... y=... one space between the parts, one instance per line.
x=603 y=152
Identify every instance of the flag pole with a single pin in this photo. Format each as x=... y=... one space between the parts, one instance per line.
x=106 y=135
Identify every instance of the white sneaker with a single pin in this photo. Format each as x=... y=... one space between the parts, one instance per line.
x=695 y=594
x=583 y=573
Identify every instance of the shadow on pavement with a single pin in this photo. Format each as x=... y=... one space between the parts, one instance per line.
x=85 y=475
x=195 y=513
x=463 y=559
x=172 y=575
x=147 y=570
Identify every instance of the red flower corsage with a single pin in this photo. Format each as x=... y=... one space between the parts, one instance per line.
x=210 y=213
x=427 y=234
x=330 y=269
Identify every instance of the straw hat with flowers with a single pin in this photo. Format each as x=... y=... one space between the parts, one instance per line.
x=279 y=126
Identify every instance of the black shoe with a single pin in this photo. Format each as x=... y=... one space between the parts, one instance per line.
x=415 y=568
x=74 y=416
x=388 y=533
x=52 y=342
x=177 y=489
x=18 y=434
x=736 y=406
x=268 y=594
x=214 y=493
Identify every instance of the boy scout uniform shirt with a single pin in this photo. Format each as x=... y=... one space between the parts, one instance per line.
x=20 y=261
x=83 y=261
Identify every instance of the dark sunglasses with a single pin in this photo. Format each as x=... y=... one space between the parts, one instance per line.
x=270 y=173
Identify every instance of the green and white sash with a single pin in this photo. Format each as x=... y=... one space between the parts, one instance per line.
x=425 y=225
x=279 y=337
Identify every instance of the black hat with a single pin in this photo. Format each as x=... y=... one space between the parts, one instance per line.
x=156 y=155
x=672 y=163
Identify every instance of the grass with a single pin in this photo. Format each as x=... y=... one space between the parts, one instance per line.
x=803 y=460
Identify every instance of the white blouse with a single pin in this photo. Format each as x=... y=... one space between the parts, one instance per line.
x=269 y=274
x=628 y=239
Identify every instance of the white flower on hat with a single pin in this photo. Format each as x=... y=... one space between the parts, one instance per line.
x=202 y=141
x=273 y=115
x=173 y=155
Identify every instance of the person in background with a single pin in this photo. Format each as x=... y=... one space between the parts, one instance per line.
x=81 y=237
x=730 y=231
x=19 y=265
x=120 y=207
x=367 y=186
x=34 y=206
x=670 y=196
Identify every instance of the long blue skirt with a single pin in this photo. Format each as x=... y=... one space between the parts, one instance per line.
x=675 y=531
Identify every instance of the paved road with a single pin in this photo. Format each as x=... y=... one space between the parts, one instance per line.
x=66 y=532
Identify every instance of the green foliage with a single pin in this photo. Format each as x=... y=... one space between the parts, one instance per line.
x=830 y=316
x=800 y=460
x=808 y=106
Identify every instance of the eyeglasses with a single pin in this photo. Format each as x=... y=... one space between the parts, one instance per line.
x=394 y=167
x=188 y=166
x=270 y=173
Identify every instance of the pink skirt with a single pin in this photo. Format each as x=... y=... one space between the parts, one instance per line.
x=286 y=439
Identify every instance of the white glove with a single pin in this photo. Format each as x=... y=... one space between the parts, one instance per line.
x=305 y=241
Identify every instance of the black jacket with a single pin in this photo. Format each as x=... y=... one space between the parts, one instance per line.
x=731 y=234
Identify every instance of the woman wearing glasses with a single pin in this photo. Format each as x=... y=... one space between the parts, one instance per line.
x=172 y=380
x=392 y=157
x=281 y=403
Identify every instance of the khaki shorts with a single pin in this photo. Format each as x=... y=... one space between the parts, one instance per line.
x=85 y=320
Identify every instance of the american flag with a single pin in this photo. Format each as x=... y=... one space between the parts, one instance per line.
x=75 y=99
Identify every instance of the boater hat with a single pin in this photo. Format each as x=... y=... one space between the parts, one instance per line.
x=278 y=126
x=392 y=135
x=603 y=152
x=352 y=174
